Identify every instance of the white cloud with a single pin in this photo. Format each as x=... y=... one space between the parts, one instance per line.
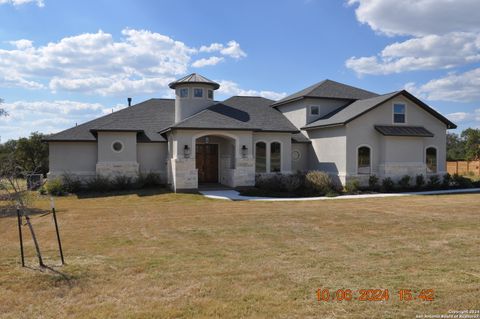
x=457 y=116
x=142 y=62
x=213 y=60
x=455 y=87
x=46 y=116
x=39 y=3
x=232 y=88
x=425 y=53
x=232 y=49
x=418 y=17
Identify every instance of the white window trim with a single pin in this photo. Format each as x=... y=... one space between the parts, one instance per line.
x=121 y=143
x=197 y=97
x=270 y=154
x=180 y=94
x=425 y=159
x=371 y=158
x=393 y=112
x=310 y=110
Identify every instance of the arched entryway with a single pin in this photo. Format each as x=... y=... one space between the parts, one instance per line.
x=215 y=157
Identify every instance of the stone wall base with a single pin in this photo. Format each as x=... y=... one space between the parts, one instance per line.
x=111 y=169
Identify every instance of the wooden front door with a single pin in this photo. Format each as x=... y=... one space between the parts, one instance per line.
x=207 y=163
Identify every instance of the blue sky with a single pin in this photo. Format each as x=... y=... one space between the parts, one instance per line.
x=66 y=62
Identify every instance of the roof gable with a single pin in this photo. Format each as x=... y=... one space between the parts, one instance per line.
x=358 y=108
x=330 y=90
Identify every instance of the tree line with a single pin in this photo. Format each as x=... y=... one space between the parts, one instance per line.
x=464 y=146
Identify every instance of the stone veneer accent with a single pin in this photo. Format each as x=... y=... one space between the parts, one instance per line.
x=244 y=172
x=117 y=168
x=184 y=173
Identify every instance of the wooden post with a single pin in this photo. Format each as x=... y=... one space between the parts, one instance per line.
x=52 y=203
x=19 y=219
x=37 y=247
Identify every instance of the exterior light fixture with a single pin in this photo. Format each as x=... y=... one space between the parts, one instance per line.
x=244 y=151
x=186 y=151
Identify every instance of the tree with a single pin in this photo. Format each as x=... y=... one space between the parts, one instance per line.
x=471 y=137
x=32 y=154
x=2 y=111
x=455 y=147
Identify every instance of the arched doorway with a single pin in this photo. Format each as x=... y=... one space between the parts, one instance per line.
x=215 y=159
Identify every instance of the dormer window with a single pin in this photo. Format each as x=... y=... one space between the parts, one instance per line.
x=314 y=110
x=399 y=111
x=210 y=94
x=183 y=92
x=197 y=92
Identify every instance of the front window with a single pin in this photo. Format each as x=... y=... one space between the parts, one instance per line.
x=275 y=155
x=431 y=160
x=210 y=94
x=260 y=157
x=184 y=92
x=314 y=110
x=198 y=92
x=399 y=113
x=117 y=146
x=364 y=166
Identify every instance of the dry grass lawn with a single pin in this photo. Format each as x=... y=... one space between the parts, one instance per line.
x=184 y=256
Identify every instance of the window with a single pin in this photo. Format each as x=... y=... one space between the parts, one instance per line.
x=184 y=92
x=197 y=92
x=314 y=110
x=275 y=157
x=363 y=158
x=117 y=146
x=399 y=113
x=260 y=157
x=210 y=94
x=296 y=155
x=431 y=159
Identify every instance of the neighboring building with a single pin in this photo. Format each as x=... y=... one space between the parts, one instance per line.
x=193 y=139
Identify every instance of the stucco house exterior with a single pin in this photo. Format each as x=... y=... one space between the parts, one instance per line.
x=193 y=139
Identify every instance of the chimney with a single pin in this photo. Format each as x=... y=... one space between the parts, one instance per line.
x=129 y=101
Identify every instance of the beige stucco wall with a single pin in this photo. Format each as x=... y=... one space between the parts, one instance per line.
x=152 y=157
x=78 y=158
x=395 y=156
x=300 y=164
x=328 y=151
x=111 y=162
x=185 y=107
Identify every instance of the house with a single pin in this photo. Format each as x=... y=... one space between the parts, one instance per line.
x=193 y=139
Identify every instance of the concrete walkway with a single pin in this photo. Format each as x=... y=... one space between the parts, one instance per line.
x=234 y=195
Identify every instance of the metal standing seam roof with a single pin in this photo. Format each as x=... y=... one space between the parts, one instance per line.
x=353 y=110
x=328 y=89
x=396 y=130
x=194 y=78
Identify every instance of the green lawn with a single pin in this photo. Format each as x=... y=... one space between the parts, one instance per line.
x=163 y=255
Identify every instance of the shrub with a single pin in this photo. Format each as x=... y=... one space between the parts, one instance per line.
x=148 y=180
x=121 y=182
x=387 y=185
x=373 y=182
x=292 y=182
x=461 y=181
x=42 y=190
x=99 y=183
x=352 y=186
x=446 y=180
x=434 y=182
x=55 y=187
x=419 y=181
x=71 y=183
x=320 y=182
x=404 y=182
x=271 y=182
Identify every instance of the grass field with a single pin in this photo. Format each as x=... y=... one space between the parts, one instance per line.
x=183 y=256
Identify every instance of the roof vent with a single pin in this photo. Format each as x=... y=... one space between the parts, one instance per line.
x=129 y=101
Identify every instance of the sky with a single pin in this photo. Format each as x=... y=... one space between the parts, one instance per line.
x=67 y=62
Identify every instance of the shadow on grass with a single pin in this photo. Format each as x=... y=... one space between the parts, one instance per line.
x=138 y=192
x=11 y=211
